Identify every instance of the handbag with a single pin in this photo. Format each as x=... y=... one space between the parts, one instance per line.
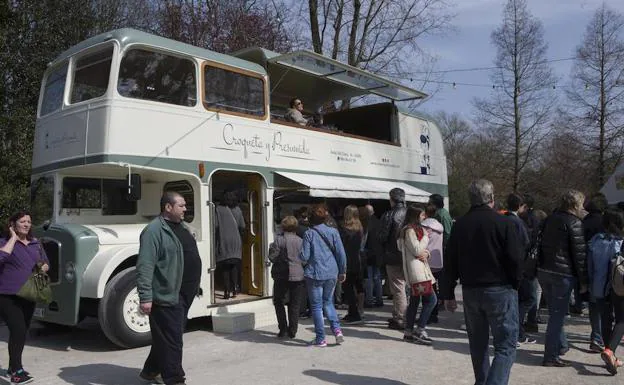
x=422 y=289
x=37 y=287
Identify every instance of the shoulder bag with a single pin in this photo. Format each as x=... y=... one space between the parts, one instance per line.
x=37 y=288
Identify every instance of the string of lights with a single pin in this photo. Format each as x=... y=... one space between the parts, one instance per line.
x=474 y=69
x=493 y=86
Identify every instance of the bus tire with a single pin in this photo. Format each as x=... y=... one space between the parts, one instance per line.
x=119 y=315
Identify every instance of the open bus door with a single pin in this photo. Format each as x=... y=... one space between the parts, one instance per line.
x=250 y=189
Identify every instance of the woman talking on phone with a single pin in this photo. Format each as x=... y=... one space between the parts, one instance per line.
x=19 y=253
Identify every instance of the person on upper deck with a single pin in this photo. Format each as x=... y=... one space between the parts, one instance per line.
x=295 y=112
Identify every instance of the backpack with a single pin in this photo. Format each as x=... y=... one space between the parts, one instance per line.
x=617 y=274
x=532 y=258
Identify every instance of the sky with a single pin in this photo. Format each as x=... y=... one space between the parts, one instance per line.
x=469 y=46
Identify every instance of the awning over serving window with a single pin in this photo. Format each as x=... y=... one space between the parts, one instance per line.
x=334 y=70
x=323 y=186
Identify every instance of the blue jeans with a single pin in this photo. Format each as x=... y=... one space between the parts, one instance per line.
x=527 y=298
x=492 y=309
x=321 y=296
x=373 y=287
x=429 y=302
x=557 y=289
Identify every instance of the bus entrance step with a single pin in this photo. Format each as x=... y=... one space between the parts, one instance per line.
x=233 y=322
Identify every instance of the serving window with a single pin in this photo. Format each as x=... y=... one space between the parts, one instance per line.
x=239 y=93
x=157 y=76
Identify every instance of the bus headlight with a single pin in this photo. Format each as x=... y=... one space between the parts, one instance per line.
x=70 y=272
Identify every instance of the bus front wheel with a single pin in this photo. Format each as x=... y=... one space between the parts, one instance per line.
x=120 y=317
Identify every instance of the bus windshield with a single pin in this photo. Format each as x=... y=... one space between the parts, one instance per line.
x=42 y=199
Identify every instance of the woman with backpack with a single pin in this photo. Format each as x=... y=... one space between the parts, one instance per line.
x=614 y=272
x=603 y=247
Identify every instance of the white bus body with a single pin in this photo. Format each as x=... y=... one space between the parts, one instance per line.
x=127 y=107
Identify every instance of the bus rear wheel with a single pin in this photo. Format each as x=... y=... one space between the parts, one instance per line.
x=119 y=315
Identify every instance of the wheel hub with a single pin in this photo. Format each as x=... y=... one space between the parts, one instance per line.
x=134 y=318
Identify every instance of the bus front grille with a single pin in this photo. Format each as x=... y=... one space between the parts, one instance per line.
x=53 y=251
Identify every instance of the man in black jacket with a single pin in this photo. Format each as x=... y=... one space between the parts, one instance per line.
x=391 y=223
x=484 y=252
x=562 y=265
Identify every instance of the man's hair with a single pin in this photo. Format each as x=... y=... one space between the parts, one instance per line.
x=481 y=192
x=289 y=224
x=230 y=199
x=437 y=200
x=168 y=197
x=397 y=195
x=431 y=210
x=597 y=203
x=529 y=200
x=571 y=200
x=292 y=102
x=514 y=201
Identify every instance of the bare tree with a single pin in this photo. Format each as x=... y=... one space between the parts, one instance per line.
x=596 y=94
x=222 y=25
x=381 y=36
x=519 y=107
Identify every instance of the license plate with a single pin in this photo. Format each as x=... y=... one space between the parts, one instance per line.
x=39 y=311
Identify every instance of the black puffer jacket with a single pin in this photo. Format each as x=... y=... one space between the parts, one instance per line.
x=563 y=248
x=391 y=223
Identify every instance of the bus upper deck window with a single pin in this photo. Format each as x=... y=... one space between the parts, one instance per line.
x=53 y=90
x=91 y=75
x=233 y=91
x=156 y=76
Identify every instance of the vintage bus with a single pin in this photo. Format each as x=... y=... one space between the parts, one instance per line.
x=126 y=115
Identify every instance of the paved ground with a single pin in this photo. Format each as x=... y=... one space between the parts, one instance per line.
x=372 y=354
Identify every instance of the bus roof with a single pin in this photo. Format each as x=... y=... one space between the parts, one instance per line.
x=127 y=36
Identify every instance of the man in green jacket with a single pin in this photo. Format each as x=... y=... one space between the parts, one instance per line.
x=168 y=275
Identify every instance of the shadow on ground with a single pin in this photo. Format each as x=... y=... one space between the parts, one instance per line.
x=102 y=374
x=349 y=379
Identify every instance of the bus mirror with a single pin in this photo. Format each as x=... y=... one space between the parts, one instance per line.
x=134 y=187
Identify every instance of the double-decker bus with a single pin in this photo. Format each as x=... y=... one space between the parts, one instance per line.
x=126 y=115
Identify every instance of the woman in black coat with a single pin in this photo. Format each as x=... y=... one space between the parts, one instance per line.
x=351 y=235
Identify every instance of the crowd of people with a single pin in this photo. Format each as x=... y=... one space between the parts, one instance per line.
x=508 y=261
x=505 y=259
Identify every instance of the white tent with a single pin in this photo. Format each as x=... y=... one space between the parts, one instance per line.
x=614 y=188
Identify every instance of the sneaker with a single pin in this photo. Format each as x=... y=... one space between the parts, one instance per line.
x=8 y=372
x=609 y=359
x=339 y=336
x=282 y=333
x=20 y=377
x=526 y=340
x=152 y=378
x=563 y=351
x=421 y=337
x=408 y=338
x=596 y=347
x=318 y=344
